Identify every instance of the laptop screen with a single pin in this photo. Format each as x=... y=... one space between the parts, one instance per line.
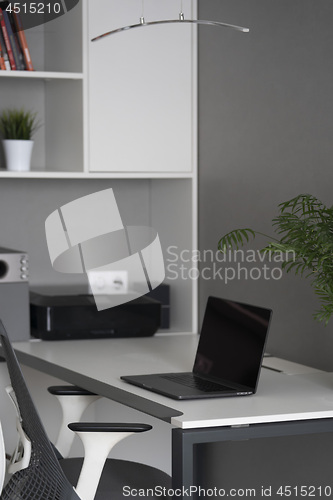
x=232 y=342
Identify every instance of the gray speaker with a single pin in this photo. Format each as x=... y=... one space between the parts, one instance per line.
x=14 y=293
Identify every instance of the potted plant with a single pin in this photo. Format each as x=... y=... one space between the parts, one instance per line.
x=17 y=127
x=304 y=228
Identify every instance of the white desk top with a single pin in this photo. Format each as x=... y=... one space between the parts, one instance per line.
x=98 y=364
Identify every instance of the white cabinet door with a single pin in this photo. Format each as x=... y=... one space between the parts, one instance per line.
x=142 y=88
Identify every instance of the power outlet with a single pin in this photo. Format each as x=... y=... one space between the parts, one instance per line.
x=108 y=282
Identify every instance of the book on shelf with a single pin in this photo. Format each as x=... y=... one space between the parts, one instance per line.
x=2 y=60
x=18 y=56
x=23 y=42
x=4 y=63
x=4 y=52
x=7 y=41
x=15 y=42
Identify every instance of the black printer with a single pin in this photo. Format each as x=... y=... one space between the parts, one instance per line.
x=58 y=313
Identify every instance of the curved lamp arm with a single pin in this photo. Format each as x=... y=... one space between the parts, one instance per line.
x=181 y=19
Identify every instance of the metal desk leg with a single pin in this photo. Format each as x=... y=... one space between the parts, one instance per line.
x=184 y=441
x=183 y=461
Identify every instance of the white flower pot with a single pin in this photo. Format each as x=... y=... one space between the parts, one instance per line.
x=17 y=154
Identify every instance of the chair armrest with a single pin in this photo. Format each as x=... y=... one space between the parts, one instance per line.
x=98 y=439
x=69 y=390
x=103 y=427
x=73 y=401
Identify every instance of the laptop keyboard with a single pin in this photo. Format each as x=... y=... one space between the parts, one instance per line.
x=191 y=380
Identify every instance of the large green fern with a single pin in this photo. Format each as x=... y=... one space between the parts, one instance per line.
x=305 y=230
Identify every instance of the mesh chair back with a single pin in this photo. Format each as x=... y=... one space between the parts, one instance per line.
x=43 y=479
x=2 y=459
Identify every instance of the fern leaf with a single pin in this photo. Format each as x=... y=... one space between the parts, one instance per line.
x=235 y=239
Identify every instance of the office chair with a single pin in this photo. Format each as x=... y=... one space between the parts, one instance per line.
x=2 y=460
x=40 y=474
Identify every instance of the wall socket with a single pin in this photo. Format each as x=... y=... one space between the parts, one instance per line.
x=108 y=282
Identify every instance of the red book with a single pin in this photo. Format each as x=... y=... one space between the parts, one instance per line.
x=2 y=57
x=7 y=41
x=23 y=42
x=2 y=60
x=18 y=56
x=4 y=54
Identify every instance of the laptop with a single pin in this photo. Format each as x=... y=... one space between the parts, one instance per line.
x=228 y=359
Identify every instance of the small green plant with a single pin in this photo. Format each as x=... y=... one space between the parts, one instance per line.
x=18 y=124
x=305 y=230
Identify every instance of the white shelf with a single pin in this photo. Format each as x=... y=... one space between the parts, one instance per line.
x=42 y=174
x=42 y=75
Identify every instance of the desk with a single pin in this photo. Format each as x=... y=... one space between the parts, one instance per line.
x=284 y=404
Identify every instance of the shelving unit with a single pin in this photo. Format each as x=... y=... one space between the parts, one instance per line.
x=119 y=113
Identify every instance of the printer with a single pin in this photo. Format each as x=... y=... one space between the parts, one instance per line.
x=60 y=313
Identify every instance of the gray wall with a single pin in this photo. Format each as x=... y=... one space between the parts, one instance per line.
x=26 y=203
x=265 y=135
